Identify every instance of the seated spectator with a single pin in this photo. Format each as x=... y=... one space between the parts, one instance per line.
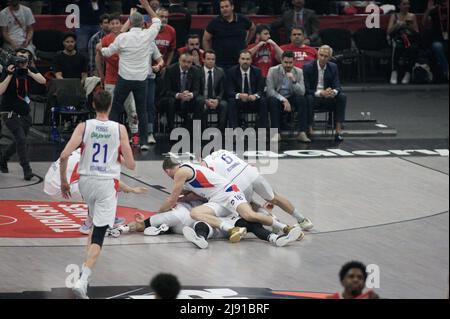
x=166 y=40
x=17 y=22
x=213 y=89
x=403 y=31
x=437 y=16
x=245 y=91
x=265 y=52
x=105 y=29
x=193 y=42
x=323 y=89
x=300 y=16
x=286 y=93
x=182 y=86
x=180 y=19
x=303 y=53
x=165 y=286
x=90 y=12
x=353 y=276
x=228 y=34
x=69 y=63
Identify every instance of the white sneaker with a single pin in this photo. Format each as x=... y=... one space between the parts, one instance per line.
x=302 y=137
x=151 y=140
x=155 y=231
x=191 y=236
x=306 y=224
x=394 y=77
x=145 y=147
x=293 y=235
x=86 y=227
x=406 y=78
x=80 y=289
x=276 y=138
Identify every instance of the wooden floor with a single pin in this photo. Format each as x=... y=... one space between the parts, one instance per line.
x=390 y=211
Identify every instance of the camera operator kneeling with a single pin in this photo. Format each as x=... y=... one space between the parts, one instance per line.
x=15 y=107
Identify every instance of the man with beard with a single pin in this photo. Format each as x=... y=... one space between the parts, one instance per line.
x=69 y=63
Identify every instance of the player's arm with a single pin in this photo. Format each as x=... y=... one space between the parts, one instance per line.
x=180 y=179
x=72 y=145
x=128 y=189
x=127 y=153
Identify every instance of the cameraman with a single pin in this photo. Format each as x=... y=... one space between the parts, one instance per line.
x=15 y=107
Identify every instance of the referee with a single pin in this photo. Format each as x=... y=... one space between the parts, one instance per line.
x=15 y=108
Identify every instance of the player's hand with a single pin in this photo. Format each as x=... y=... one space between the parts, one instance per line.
x=65 y=190
x=139 y=217
x=139 y=190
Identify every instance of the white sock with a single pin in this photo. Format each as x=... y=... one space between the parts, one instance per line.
x=85 y=273
x=278 y=226
x=298 y=215
x=226 y=227
x=273 y=238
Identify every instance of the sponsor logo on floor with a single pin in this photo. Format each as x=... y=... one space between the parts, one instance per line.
x=32 y=219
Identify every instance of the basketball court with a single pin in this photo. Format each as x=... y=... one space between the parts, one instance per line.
x=380 y=198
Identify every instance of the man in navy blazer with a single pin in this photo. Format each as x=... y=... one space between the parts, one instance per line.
x=323 y=89
x=245 y=89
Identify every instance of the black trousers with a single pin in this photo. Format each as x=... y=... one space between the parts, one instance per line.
x=139 y=90
x=337 y=105
x=222 y=112
x=170 y=106
x=298 y=104
x=236 y=107
x=19 y=127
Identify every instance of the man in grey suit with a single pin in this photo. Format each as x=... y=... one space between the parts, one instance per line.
x=300 y=16
x=286 y=92
x=213 y=88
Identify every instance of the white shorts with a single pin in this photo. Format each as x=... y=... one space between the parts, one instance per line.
x=176 y=219
x=245 y=179
x=101 y=197
x=261 y=187
x=226 y=203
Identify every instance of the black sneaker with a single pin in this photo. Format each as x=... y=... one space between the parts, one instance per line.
x=3 y=165
x=27 y=174
x=338 y=138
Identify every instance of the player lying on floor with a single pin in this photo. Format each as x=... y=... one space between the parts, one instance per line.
x=179 y=221
x=52 y=187
x=224 y=198
x=250 y=181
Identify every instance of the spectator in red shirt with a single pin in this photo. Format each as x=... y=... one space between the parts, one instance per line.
x=303 y=53
x=166 y=41
x=353 y=276
x=265 y=52
x=193 y=43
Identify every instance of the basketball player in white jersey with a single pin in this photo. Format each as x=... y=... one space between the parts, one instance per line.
x=104 y=146
x=250 y=181
x=52 y=187
x=224 y=198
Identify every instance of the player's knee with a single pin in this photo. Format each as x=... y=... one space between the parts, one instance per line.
x=98 y=235
x=196 y=214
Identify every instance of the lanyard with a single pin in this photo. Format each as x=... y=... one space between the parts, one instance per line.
x=26 y=90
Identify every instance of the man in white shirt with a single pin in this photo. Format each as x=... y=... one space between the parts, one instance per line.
x=17 y=22
x=134 y=49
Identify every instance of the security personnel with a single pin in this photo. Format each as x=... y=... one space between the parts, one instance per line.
x=15 y=107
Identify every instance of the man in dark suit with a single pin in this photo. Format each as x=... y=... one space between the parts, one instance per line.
x=323 y=89
x=180 y=19
x=213 y=88
x=182 y=86
x=245 y=91
x=300 y=16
